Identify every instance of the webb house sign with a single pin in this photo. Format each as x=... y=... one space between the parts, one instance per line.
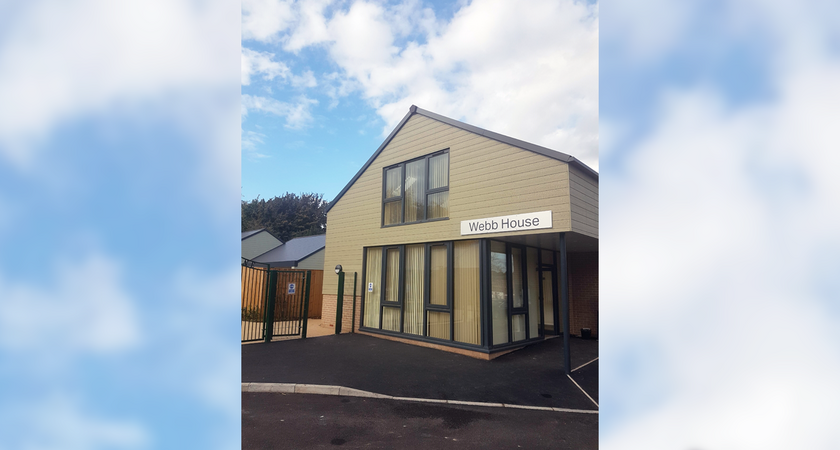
x=506 y=224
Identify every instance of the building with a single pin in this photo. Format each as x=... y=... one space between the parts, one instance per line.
x=465 y=240
x=257 y=242
x=299 y=253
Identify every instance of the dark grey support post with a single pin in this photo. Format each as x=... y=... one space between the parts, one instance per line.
x=564 y=300
x=339 y=307
x=353 y=322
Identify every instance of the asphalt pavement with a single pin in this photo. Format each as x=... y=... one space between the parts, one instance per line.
x=297 y=421
x=532 y=376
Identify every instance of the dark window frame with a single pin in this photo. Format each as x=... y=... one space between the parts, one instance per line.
x=400 y=281
x=485 y=319
x=426 y=191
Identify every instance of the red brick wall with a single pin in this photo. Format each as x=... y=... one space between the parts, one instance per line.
x=583 y=292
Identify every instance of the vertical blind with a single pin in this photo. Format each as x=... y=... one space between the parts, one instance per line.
x=392 y=275
x=413 y=294
x=439 y=171
x=437 y=290
x=393 y=188
x=393 y=180
x=414 y=192
x=466 y=306
x=439 y=324
x=392 y=212
x=391 y=318
x=464 y=317
x=373 y=278
x=437 y=205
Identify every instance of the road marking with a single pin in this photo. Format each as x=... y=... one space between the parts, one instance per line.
x=581 y=389
x=590 y=362
x=350 y=392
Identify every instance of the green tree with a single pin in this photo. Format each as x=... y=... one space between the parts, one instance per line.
x=287 y=217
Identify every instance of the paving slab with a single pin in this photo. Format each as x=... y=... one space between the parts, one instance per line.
x=532 y=376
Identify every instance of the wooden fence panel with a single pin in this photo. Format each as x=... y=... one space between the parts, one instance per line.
x=253 y=291
x=316 y=294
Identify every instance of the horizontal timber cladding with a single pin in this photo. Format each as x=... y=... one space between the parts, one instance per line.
x=583 y=194
x=487 y=178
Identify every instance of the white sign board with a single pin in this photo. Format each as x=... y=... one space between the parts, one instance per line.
x=291 y=288
x=370 y=286
x=506 y=224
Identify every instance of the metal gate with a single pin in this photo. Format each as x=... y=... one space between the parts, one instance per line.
x=274 y=302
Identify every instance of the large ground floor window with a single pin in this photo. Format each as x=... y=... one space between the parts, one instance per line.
x=482 y=292
x=431 y=290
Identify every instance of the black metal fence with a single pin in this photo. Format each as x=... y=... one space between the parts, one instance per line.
x=274 y=302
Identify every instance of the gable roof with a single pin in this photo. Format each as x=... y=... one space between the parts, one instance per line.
x=247 y=234
x=293 y=251
x=553 y=154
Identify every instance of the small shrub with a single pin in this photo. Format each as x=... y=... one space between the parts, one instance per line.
x=252 y=315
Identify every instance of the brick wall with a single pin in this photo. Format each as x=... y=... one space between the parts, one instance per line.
x=583 y=292
x=329 y=309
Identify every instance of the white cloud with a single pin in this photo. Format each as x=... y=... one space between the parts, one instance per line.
x=537 y=64
x=255 y=63
x=305 y=80
x=251 y=140
x=263 y=19
x=297 y=115
x=312 y=26
x=132 y=50
x=84 y=309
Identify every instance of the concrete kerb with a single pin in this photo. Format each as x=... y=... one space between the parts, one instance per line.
x=292 y=388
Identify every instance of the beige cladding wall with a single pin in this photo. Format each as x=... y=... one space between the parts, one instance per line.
x=487 y=179
x=584 y=202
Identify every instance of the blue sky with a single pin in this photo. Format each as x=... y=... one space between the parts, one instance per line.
x=326 y=81
x=125 y=153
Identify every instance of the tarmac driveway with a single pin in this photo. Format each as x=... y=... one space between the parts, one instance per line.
x=533 y=376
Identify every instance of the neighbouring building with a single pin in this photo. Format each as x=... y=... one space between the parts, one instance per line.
x=257 y=242
x=464 y=240
x=299 y=253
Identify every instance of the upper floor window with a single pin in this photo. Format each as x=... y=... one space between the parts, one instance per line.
x=416 y=190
